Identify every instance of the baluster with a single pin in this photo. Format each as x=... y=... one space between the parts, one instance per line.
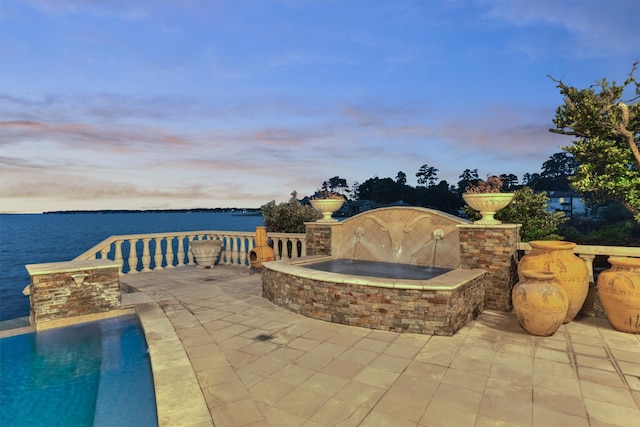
x=133 y=256
x=180 y=253
x=250 y=246
x=189 y=253
x=276 y=247
x=146 y=255
x=157 y=258
x=243 y=252
x=225 y=252
x=293 y=248
x=235 y=254
x=118 y=254
x=104 y=252
x=303 y=252
x=169 y=252
x=588 y=259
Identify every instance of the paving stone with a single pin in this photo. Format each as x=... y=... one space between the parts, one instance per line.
x=439 y=415
x=513 y=411
x=491 y=373
x=560 y=402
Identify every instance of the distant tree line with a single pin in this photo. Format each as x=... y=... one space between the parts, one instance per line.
x=615 y=227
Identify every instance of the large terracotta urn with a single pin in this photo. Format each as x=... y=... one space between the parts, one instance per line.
x=327 y=207
x=619 y=291
x=205 y=252
x=571 y=272
x=261 y=252
x=488 y=204
x=540 y=302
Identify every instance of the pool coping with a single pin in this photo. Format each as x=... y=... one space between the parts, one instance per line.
x=179 y=398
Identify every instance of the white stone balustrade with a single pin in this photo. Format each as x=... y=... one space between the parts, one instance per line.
x=147 y=252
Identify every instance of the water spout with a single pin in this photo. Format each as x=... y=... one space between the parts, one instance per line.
x=359 y=233
x=438 y=234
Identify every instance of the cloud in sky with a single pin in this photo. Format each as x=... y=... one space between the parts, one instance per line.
x=161 y=104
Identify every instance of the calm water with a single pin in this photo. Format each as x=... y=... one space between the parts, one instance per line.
x=33 y=239
x=92 y=374
x=378 y=269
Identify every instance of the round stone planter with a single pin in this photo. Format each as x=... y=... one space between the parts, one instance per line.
x=327 y=207
x=488 y=204
x=540 y=303
x=205 y=252
x=570 y=271
x=619 y=291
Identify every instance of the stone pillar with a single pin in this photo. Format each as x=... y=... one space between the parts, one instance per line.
x=64 y=290
x=319 y=238
x=494 y=249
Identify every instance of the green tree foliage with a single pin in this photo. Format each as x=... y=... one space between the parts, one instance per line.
x=616 y=227
x=530 y=210
x=509 y=181
x=401 y=178
x=336 y=185
x=468 y=176
x=427 y=175
x=607 y=148
x=288 y=217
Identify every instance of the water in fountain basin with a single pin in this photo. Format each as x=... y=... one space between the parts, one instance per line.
x=388 y=270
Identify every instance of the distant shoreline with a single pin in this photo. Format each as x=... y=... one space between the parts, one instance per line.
x=195 y=210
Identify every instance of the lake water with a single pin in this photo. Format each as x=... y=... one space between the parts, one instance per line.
x=40 y=238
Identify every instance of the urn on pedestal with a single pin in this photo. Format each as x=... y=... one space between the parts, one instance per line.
x=205 y=252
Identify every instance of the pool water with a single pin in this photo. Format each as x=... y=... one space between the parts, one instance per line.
x=92 y=374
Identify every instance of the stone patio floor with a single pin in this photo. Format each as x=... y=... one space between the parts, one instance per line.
x=224 y=356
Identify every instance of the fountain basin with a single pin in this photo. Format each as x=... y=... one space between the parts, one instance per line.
x=436 y=306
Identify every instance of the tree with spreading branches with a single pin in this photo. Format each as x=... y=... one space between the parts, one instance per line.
x=607 y=148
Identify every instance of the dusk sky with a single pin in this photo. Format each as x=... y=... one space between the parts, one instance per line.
x=156 y=104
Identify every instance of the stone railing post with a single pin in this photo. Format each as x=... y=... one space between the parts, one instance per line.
x=62 y=293
x=494 y=249
x=318 y=241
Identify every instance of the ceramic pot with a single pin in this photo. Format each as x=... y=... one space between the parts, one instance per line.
x=205 y=252
x=327 y=207
x=488 y=204
x=571 y=272
x=262 y=252
x=540 y=302
x=619 y=291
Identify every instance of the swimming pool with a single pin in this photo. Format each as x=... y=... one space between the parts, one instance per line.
x=91 y=374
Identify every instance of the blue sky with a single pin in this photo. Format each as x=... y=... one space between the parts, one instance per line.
x=208 y=103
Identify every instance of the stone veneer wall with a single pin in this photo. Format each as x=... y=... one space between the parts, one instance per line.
x=318 y=238
x=55 y=294
x=430 y=312
x=494 y=249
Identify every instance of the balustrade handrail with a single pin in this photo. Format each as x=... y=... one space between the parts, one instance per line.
x=595 y=250
x=588 y=253
x=171 y=249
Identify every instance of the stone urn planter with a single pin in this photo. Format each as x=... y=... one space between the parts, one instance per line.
x=619 y=291
x=571 y=272
x=205 y=252
x=540 y=302
x=327 y=207
x=488 y=204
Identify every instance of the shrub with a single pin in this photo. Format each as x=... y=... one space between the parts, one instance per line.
x=288 y=217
